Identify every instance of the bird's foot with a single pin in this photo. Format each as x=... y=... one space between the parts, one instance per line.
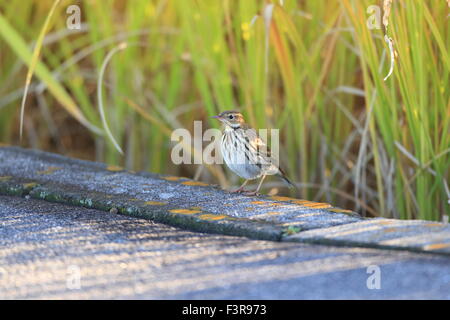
x=252 y=193
x=240 y=190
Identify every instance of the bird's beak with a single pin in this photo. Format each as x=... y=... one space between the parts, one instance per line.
x=216 y=117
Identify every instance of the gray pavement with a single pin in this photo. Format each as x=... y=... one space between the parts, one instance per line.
x=47 y=250
x=197 y=206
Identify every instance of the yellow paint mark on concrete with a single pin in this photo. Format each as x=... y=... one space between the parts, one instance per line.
x=434 y=225
x=388 y=230
x=154 y=203
x=322 y=206
x=172 y=178
x=273 y=213
x=114 y=168
x=5 y=178
x=317 y=205
x=49 y=170
x=279 y=198
x=195 y=183
x=306 y=203
x=29 y=185
x=300 y=201
x=185 y=211
x=384 y=222
x=249 y=209
x=258 y=202
x=274 y=204
x=337 y=210
x=196 y=208
x=436 y=246
x=213 y=217
x=133 y=199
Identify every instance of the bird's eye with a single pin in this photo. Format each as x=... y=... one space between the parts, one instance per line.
x=231 y=117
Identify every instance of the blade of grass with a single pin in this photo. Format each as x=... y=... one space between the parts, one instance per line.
x=108 y=57
x=19 y=46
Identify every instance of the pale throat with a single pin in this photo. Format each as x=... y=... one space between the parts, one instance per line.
x=232 y=127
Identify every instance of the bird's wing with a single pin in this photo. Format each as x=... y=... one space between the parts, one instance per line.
x=263 y=151
x=258 y=144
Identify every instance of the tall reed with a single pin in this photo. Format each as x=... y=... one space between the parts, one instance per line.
x=314 y=69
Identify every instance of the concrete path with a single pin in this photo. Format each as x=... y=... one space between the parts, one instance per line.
x=196 y=206
x=77 y=229
x=57 y=251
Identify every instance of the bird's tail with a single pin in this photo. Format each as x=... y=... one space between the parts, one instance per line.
x=283 y=176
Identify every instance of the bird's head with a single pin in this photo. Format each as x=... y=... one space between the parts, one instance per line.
x=233 y=119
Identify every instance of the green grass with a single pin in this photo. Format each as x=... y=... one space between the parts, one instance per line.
x=348 y=137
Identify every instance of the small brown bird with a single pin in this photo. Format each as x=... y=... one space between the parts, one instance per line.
x=245 y=153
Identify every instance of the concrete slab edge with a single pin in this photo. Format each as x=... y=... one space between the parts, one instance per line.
x=195 y=220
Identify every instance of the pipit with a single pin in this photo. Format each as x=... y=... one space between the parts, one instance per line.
x=245 y=153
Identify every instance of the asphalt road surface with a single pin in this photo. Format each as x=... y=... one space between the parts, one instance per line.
x=53 y=251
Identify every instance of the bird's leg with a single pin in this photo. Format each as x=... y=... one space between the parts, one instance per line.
x=241 y=188
x=255 y=193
